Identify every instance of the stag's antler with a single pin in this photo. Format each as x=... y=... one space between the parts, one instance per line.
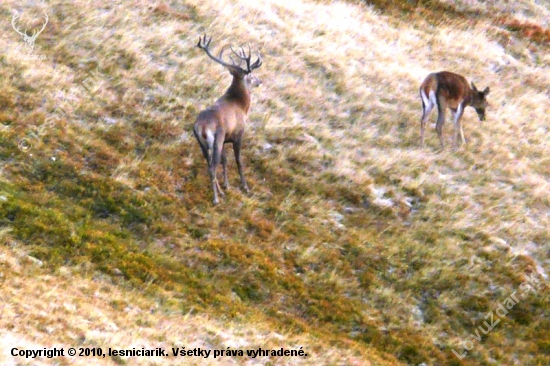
x=247 y=58
x=204 y=44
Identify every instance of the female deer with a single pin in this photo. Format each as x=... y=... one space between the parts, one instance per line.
x=448 y=90
x=225 y=121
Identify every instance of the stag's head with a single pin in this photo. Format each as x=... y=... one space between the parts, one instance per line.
x=29 y=40
x=252 y=81
x=237 y=69
x=479 y=101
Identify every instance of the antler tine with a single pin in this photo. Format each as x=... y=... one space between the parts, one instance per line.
x=251 y=67
x=246 y=58
x=249 y=57
x=231 y=58
x=204 y=44
x=241 y=54
x=238 y=54
x=257 y=63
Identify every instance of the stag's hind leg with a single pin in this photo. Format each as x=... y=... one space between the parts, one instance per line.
x=217 y=150
x=204 y=148
x=224 y=166
x=237 y=151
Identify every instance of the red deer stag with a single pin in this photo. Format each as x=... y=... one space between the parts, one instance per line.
x=448 y=90
x=225 y=121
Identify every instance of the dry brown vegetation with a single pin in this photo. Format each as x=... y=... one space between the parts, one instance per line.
x=355 y=243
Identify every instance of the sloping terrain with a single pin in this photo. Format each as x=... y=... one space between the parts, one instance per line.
x=355 y=243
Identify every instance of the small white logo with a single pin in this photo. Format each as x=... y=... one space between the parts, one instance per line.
x=29 y=40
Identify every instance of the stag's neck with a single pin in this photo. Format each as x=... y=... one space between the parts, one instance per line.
x=238 y=92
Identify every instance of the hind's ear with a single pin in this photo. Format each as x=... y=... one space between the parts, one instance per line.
x=474 y=86
x=486 y=91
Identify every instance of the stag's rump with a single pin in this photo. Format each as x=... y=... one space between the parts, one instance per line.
x=205 y=126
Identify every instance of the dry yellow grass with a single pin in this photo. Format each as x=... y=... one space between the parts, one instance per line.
x=354 y=242
x=45 y=310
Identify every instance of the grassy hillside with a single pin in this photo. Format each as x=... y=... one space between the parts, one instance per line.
x=354 y=243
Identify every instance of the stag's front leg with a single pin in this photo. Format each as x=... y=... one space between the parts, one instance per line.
x=237 y=150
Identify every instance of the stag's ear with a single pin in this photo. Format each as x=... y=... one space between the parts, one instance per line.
x=474 y=86
x=486 y=91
